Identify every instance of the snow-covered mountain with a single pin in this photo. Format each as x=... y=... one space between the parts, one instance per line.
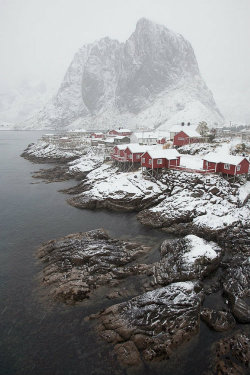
x=152 y=79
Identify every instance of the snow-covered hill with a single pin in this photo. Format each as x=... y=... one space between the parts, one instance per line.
x=18 y=104
x=152 y=80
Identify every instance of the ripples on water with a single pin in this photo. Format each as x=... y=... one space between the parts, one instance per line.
x=37 y=335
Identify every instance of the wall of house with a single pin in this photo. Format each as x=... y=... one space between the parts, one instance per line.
x=244 y=167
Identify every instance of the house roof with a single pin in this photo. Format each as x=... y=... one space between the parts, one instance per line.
x=190 y=132
x=168 y=154
x=135 y=147
x=121 y=147
x=217 y=157
x=123 y=130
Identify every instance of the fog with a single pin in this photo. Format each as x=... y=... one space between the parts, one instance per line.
x=38 y=39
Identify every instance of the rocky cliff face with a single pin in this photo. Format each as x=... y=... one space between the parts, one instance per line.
x=152 y=79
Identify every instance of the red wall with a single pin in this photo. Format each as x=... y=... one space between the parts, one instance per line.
x=186 y=139
x=233 y=169
x=244 y=167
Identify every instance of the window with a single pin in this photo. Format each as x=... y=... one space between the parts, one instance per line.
x=130 y=156
x=226 y=166
x=238 y=167
x=159 y=161
x=150 y=161
x=143 y=160
x=181 y=138
x=137 y=156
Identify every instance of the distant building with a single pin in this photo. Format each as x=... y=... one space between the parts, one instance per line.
x=97 y=135
x=186 y=137
x=120 y=132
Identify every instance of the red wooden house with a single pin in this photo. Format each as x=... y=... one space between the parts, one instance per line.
x=118 y=153
x=160 y=159
x=187 y=136
x=226 y=164
x=134 y=151
x=121 y=132
x=97 y=135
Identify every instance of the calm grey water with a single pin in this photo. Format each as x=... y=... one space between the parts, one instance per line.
x=37 y=335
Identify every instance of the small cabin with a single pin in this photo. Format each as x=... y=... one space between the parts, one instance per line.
x=133 y=152
x=160 y=159
x=118 y=153
x=186 y=137
x=120 y=132
x=98 y=135
x=226 y=164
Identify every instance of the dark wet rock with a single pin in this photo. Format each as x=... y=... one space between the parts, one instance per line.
x=231 y=356
x=56 y=174
x=129 y=202
x=187 y=258
x=156 y=322
x=77 y=264
x=236 y=286
x=218 y=320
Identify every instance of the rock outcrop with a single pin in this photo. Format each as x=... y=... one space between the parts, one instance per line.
x=77 y=264
x=231 y=356
x=152 y=325
x=188 y=258
x=218 y=320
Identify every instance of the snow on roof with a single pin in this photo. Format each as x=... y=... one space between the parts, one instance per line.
x=217 y=157
x=98 y=133
x=163 y=154
x=189 y=130
x=123 y=130
x=135 y=147
x=122 y=147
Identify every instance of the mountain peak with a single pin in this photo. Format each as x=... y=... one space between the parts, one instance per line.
x=149 y=80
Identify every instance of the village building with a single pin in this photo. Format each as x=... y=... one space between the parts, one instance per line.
x=133 y=152
x=118 y=153
x=180 y=127
x=121 y=139
x=226 y=164
x=155 y=159
x=186 y=137
x=144 y=138
x=120 y=132
x=97 y=135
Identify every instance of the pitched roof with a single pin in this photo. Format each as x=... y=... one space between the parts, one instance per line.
x=217 y=157
x=190 y=130
x=168 y=154
x=123 y=130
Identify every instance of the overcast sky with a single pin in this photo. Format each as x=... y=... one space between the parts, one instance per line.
x=38 y=39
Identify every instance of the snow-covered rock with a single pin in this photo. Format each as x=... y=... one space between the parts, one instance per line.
x=152 y=80
x=153 y=324
x=188 y=258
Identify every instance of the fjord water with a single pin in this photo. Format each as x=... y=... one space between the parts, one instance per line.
x=39 y=336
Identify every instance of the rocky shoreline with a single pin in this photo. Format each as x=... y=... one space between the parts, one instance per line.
x=212 y=216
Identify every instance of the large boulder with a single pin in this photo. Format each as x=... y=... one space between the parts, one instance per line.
x=155 y=323
x=77 y=264
x=187 y=258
